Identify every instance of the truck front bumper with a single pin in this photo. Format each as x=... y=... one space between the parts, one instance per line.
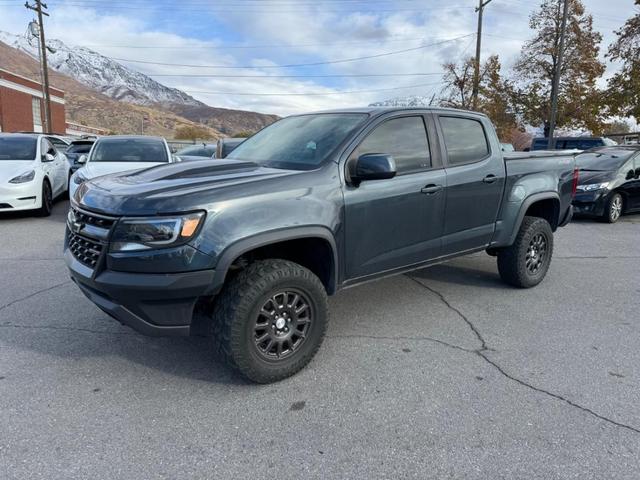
x=152 y=304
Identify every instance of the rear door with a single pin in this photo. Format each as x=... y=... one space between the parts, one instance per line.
x=396 y=222
x=475 y=181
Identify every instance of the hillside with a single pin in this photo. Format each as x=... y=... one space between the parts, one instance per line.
x=225 y=120
x=122 y=83
x=86 y=106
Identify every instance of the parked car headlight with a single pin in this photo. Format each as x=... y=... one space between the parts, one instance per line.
x=593 y=186
x=133 y=234
x=78 y=179
x=24 y=177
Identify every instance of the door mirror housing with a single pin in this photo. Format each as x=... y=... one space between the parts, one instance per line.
x=373 y=166
x=82 y=159
x=630 y=175
x=47 y=157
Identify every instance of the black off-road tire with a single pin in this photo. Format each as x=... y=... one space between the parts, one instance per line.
x=47 y=200
x=515 y=263
x=614 y=208
x=237 y=310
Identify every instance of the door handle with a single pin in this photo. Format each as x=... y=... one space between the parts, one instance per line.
x=490 y=178
x=431 y=189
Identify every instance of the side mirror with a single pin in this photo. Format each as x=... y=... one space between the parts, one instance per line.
x=638 y=172
x=630 y=175
x=47 y=157
x=82 y=159
x=373 y=166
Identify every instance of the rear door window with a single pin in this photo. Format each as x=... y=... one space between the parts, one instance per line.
x=465 y=140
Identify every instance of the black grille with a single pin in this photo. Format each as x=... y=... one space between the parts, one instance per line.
x=85 y=250
x=93 y=219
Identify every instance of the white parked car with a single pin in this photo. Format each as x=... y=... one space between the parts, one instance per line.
x=116 y=154
x=32 y=173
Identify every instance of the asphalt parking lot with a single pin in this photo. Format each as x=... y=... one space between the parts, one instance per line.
x=446 y=373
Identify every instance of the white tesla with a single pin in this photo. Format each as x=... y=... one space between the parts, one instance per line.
x=115 y=154
x=32 y=173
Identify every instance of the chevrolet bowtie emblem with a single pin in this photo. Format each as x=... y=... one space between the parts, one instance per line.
x=76 y=227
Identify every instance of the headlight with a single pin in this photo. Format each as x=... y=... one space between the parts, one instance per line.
x=24 y=178
x=133 y=234
x=79 y=179
x=593 y=186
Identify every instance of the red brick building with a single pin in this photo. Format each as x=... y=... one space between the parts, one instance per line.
x=22 y=105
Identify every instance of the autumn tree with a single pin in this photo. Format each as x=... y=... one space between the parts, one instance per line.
x=494 y=93
x=458 y=81
x=495 y=98
x=191 y=132
x=623 y=93
x=579 y=104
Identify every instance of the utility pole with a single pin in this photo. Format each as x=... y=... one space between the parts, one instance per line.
x=555 y=86
x=476 y=72
x=44 y=71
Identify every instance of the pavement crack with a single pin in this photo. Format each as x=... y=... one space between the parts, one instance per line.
x=413 y=338
x=482 y=353
x=555 y=395
x=476 y=332
x=31 y=295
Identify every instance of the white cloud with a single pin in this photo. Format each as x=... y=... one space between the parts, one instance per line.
x=311 y=33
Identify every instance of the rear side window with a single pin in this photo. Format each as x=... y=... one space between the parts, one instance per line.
x=465 y=140
x=405 y=139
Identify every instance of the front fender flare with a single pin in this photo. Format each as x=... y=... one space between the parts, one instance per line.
x=242 y=246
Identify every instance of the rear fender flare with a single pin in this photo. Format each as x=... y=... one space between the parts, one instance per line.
x=530 y=200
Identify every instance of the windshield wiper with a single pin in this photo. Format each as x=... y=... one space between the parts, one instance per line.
x=590 y=170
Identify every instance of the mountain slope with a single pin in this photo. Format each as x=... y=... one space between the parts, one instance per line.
x=101 y=73
x=127 y=85
x=89 y=107
x=229 y=122
x=411 y=101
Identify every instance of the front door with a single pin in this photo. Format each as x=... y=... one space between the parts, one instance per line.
x=396 y=222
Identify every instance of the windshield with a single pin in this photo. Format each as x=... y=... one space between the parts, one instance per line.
x=197 y=151
x=79 y=148
x=129 y=150
x=299 y=143
x=18 y=148
x=596 y=161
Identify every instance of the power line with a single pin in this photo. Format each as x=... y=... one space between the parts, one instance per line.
x=292 y=65
x=337 y=75
x=313 y=93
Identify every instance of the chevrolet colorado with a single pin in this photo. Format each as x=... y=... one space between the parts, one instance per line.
x=250 y=246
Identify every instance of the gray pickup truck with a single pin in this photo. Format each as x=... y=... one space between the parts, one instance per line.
x=249 y=247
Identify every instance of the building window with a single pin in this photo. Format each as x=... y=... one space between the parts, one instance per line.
x=37 y=114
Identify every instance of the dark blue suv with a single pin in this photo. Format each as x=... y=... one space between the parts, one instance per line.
x=572 y=143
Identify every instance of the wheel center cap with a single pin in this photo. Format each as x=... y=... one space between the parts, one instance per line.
x=280 y=322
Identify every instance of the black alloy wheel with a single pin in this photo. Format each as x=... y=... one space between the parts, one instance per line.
x=282 y=324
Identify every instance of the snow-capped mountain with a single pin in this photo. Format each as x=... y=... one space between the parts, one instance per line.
x=411 y=101
x=101 y=73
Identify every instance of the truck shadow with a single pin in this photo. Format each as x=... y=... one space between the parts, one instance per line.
x=482 y=273
x=62 y=324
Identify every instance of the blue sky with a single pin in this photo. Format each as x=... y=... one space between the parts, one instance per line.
x=255 y=37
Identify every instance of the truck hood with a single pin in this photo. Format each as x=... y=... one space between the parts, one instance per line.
x=12 y=168
x=176 y=187
x=97 y=169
